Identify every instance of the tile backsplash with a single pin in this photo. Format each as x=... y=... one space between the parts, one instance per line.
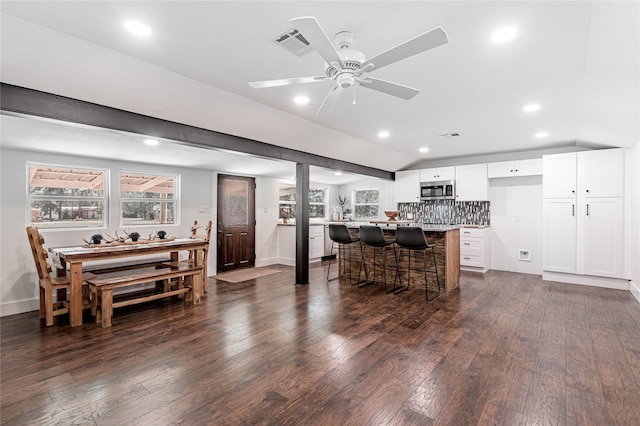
x=447 y=211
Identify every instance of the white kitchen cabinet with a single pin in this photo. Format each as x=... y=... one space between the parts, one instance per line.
x=531 y=167
x=316 y=241
x=475 y=249
x=583 y=232
x=436 y=174
x=559 y=235
x=472 y=183
x=408 y=186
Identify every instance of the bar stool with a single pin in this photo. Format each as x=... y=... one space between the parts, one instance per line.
x=339 y=234
x=372 y=236
x=412 y=238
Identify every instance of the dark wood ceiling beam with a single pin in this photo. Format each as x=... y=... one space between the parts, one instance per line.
x=16 y=99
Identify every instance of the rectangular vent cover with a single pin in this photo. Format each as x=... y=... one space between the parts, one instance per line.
x=292 y=41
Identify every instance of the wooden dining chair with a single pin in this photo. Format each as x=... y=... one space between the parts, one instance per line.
x=202 y=232
x=48 y=284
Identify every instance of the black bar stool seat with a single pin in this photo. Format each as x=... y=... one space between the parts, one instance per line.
x=340 y=235
x=412 y=239
x=372 y=236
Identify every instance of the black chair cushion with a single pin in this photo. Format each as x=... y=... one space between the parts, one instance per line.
x=373 y=236
x=411 y=237
x=340 y=234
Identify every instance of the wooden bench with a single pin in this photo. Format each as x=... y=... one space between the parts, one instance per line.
x=103 y=286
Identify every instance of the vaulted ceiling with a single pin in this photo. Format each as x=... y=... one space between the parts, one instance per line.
x=579 y=60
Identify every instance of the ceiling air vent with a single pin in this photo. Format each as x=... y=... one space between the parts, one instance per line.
x=449 y=135
x=292 y=41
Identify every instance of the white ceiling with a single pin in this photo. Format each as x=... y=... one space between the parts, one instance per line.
x=579 y=59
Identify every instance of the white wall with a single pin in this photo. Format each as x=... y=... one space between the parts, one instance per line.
x=18 y=278
x=634 y=285
x=516 y=223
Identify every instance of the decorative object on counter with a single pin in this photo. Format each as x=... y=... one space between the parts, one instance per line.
x=392 y=214
x=135 y=236
x=96 y=239
x=342 y=204
x=161 y=234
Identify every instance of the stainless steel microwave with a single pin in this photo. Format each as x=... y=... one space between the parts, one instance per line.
x=441 y=190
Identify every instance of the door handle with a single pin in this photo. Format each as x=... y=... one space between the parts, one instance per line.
x=573 y=209
x=587 y=209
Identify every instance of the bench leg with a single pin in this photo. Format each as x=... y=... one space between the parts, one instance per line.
x=106 y=307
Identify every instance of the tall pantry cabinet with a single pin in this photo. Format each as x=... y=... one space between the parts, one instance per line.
x=583 y=215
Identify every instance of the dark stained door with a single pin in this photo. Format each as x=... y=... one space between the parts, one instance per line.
x=236 y=222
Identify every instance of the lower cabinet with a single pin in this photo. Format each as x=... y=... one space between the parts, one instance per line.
x=316 y=242
x=287 y=243
x=475 y=249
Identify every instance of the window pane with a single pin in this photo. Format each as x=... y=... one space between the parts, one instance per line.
x=147 y=212
x=67 y=214
x=366 y=211
x=66 y=182
x=367 y=196
x=133 y=185
x=316 y=195
x=236 y=203
x=316 y=210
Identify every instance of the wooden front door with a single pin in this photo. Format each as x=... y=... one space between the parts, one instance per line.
x=236 y=222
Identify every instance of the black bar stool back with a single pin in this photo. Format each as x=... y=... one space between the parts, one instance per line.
x=412 y=238
x=340 y=235
x=373 y=237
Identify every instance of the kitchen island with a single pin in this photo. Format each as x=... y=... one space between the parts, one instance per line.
x=447 y=251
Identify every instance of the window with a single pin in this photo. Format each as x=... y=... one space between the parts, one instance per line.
x=367 y=203
x=67 y=197
x=148 y=199
x=287 y=202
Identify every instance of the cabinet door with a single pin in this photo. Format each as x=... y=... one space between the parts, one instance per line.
x=316 y=242
x=530 y=167
x=428 y=175
x=500 y=169
x=446 y=173
x=603 y=238
x=408 y=186
x=472 y=183
x=559 y=235
x=600 y=173
x=559 y=175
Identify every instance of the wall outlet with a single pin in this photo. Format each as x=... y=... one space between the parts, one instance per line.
x=524 y=255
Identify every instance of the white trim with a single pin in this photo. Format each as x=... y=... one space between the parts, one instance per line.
x=19 y=307
x=634 y=288
x=605 y=282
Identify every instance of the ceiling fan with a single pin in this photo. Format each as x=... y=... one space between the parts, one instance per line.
x=348 y=67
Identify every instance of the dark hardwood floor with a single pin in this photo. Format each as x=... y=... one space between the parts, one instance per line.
x=504 y=349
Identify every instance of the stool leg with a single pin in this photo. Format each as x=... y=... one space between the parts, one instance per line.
x=435 y=269
x=330 y=258
x=401 y=288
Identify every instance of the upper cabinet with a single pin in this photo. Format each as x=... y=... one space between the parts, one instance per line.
x=503 y=169
x=440 y=173
x=408 y=186
x=472 y=183
x=559 y=175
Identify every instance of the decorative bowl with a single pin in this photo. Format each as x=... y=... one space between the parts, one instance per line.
x=392 y=214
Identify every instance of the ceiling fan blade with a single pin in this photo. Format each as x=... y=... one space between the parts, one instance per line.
x=315 y=35
x=286 y=81
x=393 y=89
x=424 y=42
x=330 y=101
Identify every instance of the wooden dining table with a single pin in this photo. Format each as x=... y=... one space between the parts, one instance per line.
x=76 y=257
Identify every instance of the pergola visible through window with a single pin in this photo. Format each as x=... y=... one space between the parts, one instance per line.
x=148 y=199
x=67 y=197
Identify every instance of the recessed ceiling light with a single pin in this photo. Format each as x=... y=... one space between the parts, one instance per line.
x=383 y=134
x=137 y=28
x=504 y=34
x=338 y=173
x=301 y=100
x=151 y=142
x=531 y=108
x=424 y=149
x=541 y=135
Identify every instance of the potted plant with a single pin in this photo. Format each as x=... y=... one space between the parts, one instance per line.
x=96 y=238
x=342 y=203
x=134 y=236
x=162 y=234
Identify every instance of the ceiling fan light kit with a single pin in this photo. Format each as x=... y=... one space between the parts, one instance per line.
x=348 y=67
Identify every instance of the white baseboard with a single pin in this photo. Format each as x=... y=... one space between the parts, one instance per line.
x=605 y=282
x=634 y=288
x=266 y=262
x=19 y=307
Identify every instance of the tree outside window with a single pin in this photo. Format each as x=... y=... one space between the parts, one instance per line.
x=367 y=203
x=148 y=199
x=287 y=202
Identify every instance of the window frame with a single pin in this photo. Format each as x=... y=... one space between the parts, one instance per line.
x=356 y=204
x=175 y=200
x=71 y=225
x=291 y=204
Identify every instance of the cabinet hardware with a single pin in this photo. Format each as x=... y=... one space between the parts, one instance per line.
x=587 y=209
x=587 y=190
x=573 y=209
x=573 y=191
